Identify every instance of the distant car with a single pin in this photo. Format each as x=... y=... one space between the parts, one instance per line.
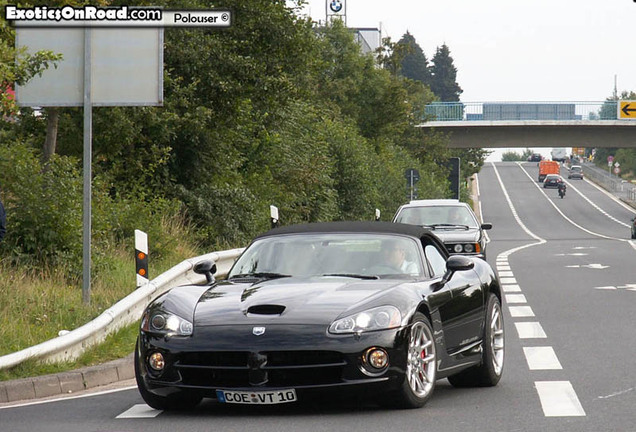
x=535 y=157
x=323 y=309
x=454 y=222
x=634 y=228
x=576 y=172
x=552 y=181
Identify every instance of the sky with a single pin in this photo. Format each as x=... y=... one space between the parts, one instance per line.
x=510 y=50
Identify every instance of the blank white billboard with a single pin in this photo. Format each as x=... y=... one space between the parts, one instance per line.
x=126 y=67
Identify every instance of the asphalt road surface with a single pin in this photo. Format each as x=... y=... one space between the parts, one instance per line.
x=567 y=267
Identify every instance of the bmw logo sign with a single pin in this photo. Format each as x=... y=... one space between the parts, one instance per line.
x=335 y=6
x=257 y=331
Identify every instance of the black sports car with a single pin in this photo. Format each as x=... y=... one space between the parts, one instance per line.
x=375 y=308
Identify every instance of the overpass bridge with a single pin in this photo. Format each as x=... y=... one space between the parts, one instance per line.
x=533 y=124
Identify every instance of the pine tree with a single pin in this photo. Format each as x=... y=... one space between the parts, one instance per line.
x=414 y=64
x=444 y=76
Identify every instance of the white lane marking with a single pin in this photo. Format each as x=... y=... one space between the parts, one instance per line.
x=511 y=288
x=503 y=267
x=508 y=280
x=520 y=311
x=591 y=266
x=628 y=287
x=530 y=330
x=563 y=215
x=558 y=399
x=542 y=358
x=139 y=411
x=505 y=274
x=516 y=216
x=66 y=397
x=600 y=209
x=515 y=298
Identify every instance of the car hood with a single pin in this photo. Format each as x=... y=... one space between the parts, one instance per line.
x=455 y=235
x=318 y=300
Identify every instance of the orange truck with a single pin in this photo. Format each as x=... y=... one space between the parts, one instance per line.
x=548 y=167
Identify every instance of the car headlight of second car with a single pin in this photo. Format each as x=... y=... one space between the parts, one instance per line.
x=379 y=318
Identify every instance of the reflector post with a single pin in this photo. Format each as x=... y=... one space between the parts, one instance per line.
x=141 y=257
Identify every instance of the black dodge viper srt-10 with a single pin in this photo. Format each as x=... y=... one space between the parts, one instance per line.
x=374 y=308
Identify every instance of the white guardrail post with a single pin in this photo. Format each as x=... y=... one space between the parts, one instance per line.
x=128 y=310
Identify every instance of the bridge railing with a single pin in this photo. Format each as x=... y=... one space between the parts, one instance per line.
x=510 y=111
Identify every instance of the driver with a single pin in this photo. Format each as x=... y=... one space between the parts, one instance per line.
x=395 y=256
x=456 y=216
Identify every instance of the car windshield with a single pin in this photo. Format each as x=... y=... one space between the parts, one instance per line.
x=437 y=216
x=361 y=256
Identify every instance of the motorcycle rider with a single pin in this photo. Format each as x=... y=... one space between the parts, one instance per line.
x=562 y=188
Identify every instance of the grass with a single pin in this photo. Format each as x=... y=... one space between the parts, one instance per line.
x=36 y=304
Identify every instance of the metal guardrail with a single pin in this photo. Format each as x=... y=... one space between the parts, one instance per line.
x=623 y=189
x=124 y=312
x=507 y=111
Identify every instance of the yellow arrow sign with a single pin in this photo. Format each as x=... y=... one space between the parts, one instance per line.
x=627 y=110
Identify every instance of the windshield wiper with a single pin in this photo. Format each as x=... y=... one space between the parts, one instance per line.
x=353 y=275
x=260 y=275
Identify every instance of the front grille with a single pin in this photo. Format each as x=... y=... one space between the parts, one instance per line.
x=265 y=369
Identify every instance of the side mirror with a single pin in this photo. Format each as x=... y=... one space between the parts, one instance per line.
x=486 y=226
x=454 y=264
x=207 y=268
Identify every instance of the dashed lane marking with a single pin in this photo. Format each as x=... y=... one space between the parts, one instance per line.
x=558 y=399
x=139 y=411
x=520 y=311
x=530 y=330
x=542 y=358
x=515 y=298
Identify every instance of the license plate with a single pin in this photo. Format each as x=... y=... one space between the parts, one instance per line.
x=256 y=397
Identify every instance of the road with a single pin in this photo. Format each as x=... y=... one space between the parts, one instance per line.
x=566 y=266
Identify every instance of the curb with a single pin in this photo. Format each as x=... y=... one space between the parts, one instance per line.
x=67 y=382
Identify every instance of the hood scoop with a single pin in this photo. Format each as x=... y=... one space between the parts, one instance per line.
x=266 y=309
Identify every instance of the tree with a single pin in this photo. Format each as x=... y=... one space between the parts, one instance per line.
x=414 y=64
x=444 y=76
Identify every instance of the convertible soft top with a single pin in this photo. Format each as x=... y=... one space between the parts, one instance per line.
x=353 y=227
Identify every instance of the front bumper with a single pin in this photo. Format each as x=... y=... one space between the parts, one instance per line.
x=304 y=358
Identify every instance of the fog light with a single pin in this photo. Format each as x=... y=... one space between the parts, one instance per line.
x=156 y=361
x=377 y=358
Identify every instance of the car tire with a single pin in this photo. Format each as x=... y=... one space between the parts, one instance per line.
x=176 y=401
x=420 y=368
x=489 y=371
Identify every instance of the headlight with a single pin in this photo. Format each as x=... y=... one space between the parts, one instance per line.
x=162 y=322
x=380 y=318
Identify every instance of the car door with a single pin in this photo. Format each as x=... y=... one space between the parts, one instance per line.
x=462 y=314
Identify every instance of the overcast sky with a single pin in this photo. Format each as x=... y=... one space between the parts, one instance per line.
x=511 y=50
